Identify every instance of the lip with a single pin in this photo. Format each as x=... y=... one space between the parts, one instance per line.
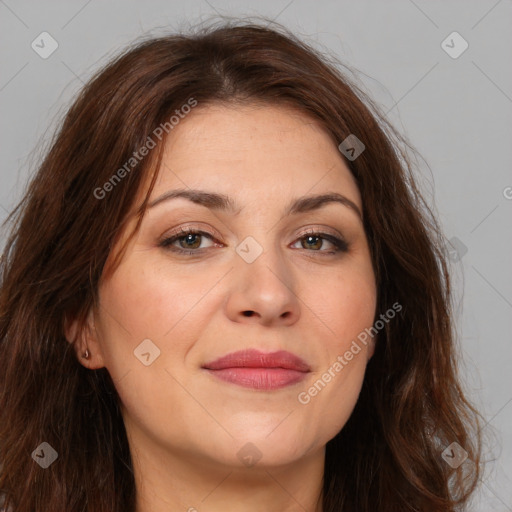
x=259 y=370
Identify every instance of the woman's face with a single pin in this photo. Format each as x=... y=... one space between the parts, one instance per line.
x=261 y=277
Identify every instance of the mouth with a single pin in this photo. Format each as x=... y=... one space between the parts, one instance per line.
x=259 y=370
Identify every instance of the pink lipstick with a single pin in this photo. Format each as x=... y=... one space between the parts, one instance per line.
x=258 y=370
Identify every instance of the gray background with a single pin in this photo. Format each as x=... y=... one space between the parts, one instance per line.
x=456 y=111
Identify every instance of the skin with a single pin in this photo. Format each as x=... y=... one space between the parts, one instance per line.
x=185 y=427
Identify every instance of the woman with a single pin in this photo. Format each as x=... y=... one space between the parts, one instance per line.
x=223 y=291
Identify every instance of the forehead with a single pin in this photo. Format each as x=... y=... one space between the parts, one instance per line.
x=253 y=152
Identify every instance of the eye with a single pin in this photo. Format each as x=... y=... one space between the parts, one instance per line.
x=190 y=241
x=315 y=241
x=186 y=241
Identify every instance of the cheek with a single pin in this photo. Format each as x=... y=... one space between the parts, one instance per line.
x=142 y=302
x=346 y=308
x=145 y=301
x=345 y=303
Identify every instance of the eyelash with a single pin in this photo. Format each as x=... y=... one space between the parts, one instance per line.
x=340 y=245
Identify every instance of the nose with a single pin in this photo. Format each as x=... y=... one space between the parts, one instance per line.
x=263 y=292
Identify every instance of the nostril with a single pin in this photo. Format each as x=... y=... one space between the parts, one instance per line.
x=248 y=313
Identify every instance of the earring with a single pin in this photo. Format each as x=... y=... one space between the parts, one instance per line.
x=86 y=354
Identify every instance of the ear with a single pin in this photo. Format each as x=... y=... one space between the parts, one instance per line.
x=84 y=336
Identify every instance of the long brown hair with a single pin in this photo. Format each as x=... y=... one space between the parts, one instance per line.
x=411 y=407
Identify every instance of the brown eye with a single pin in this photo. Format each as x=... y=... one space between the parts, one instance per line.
x=315 y=242
x=312 y=242
x=188 y=241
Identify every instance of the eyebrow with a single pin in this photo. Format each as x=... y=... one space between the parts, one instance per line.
x=221 y=202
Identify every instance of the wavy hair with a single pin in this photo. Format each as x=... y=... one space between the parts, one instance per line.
x=411 y=407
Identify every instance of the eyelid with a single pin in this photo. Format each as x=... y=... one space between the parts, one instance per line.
x=195 y=228
x=322 y=230
x=315 y=230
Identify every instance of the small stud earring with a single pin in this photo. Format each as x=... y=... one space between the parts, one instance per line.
x=86 y=354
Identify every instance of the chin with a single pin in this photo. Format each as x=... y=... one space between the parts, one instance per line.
x=274 y=450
